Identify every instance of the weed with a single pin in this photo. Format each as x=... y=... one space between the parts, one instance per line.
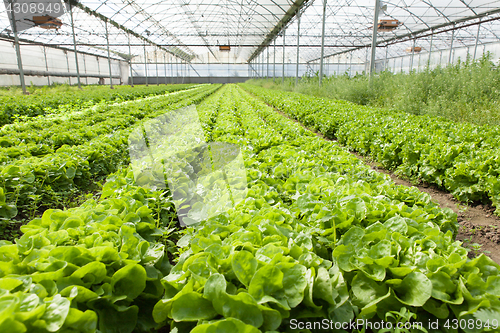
x=465 y=91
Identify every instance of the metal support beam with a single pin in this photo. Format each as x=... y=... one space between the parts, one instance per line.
x=412 y=54
x=18 y=50
x=146 y=64
x=168 y=48
x=367 y=68
x=85 y=69
x=267 y=69
x=130 y=62
x=386 y=56
x=46 y=63
x=157 y=73
x=67 y=64
x=374 y=37
x=430 y=52
x=451 y=46
x=15 y=71
x=477 y=40
x=74 y=47
x=165 y=66
x=298 y=50
x=262 y=65
x=322 y=43
x=274 y=61
x=350 y=65
x=98 y=65
x=171 y=70
x=283 y=72
x=280 y=26
x=109 y=56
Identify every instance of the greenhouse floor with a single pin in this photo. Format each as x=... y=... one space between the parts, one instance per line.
x=479 y=227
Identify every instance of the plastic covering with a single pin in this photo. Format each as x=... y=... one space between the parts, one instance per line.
x=194 y=30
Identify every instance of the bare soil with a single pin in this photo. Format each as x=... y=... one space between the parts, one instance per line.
x=479 y=227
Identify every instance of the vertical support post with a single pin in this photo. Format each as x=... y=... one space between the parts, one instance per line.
x=430 y=51
x=74 y=46
x=261 y=64
x=98 y=69
x=477 y=40
x=176 y=70
x=182 y=66
x=145 y=63
x=67 y=64
x=386 y=62
x=171 y=70
x=274 y=60
x=46 y=64
x=18 y=49
x=109 y=56
x=267 y=69
x=367 y=65
x=298 y=49
x=374 y=37
x=264 y=75
x=208 y=67
x=322 y=43
x=350 y=65
x=451 y=47
x=165 y=65
x=412 y=54
x=157 y=73
x=130 y=62
x=85 y=70
x=258 y=65
x=283 y=68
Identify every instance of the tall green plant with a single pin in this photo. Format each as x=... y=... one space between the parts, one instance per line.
x=466 y=91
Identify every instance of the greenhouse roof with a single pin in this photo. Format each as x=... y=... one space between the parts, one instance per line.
x=195 y=30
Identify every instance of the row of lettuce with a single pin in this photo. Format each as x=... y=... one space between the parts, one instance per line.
x=74 y=153
x=44 y=135
x=319 y=236
x=462 y=158
x=13 y=107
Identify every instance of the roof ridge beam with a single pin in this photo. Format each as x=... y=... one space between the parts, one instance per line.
x=291 y=12
x=177 y=53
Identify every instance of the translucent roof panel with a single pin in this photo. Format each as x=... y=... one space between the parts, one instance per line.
x=194 y=30
x=349 y=25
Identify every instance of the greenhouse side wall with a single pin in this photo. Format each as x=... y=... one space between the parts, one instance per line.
x=59 y=64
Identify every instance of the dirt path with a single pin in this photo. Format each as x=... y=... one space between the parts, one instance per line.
x=479 y=227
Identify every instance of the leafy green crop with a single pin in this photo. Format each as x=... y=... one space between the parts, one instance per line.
x=88 y=267
x=319 y=236
x=323 y=238
x=48 y=101
x=56 y=178
x=462 y=158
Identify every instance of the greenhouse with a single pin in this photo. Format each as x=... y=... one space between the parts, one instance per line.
x=249 y=166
